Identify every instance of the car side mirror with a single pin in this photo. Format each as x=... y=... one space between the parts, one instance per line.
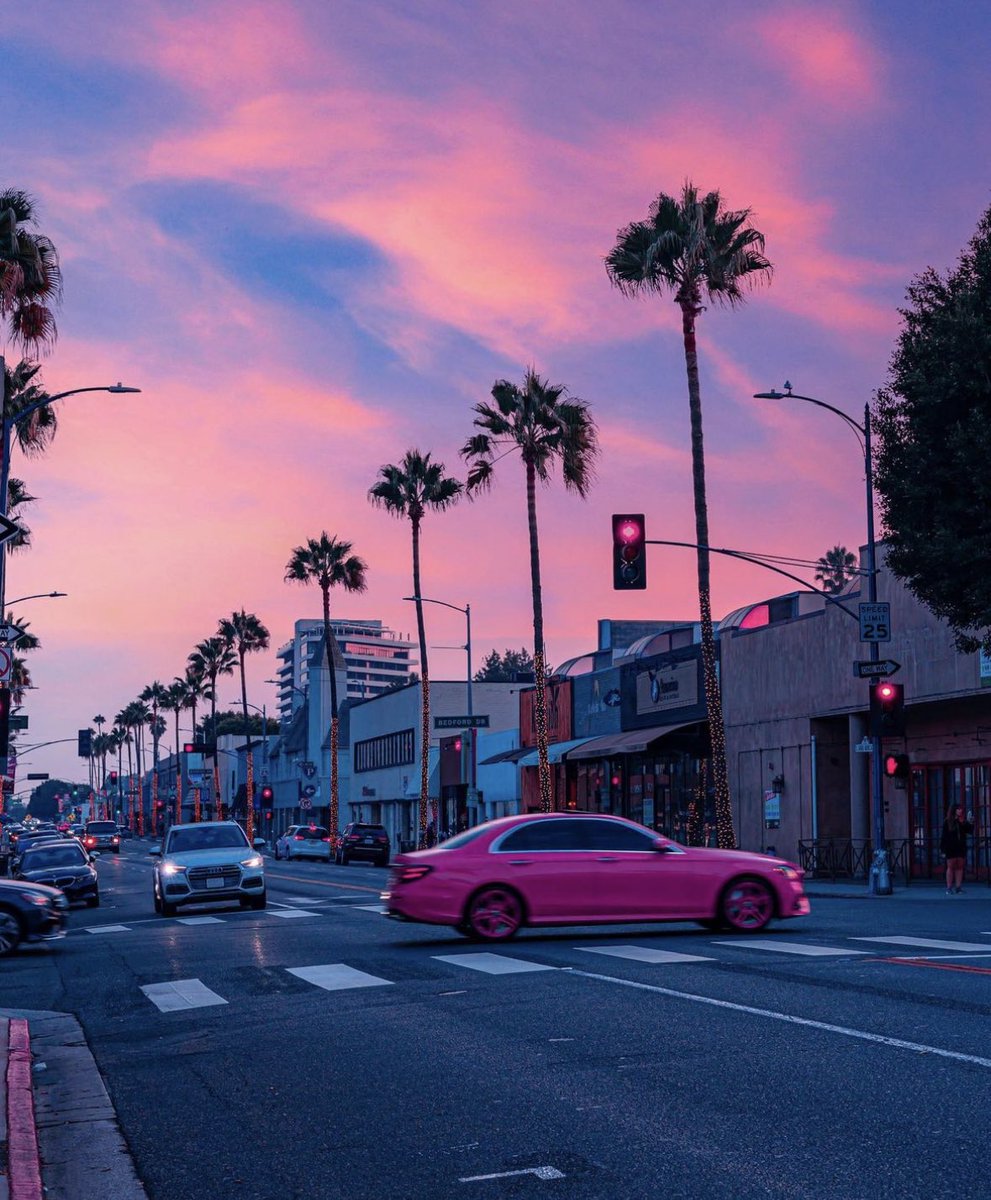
x=94 y=854
x=661 y=845
x=156 y=851
x=259 y=843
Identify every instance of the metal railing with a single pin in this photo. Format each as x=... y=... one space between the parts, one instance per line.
x=850 y=858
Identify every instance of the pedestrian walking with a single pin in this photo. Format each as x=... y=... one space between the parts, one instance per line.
x=953 y=844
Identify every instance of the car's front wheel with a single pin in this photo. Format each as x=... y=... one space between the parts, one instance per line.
x=746 y=905
x=10 y=932
x=93 y=901
x=495 y=914
x=258 y=903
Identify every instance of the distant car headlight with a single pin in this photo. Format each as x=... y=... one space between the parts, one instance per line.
x=787 y=872
x=170 y=868
x=255 y=860
x=38 y=898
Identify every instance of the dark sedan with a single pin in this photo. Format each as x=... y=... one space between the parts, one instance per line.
x=29 y=912
x=65 y=866
x=31 y=839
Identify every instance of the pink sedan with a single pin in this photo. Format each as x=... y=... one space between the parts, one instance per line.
x=585 y=869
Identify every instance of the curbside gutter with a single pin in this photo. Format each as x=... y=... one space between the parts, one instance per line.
x=23 y=1164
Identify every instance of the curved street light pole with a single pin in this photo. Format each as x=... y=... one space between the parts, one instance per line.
x=879 y=877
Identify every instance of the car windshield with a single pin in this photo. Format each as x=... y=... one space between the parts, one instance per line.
x=101 y=827
x=228 y=838
x=44 y=857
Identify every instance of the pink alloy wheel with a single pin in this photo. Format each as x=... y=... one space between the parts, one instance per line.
x=748 y=905
x=495 y=914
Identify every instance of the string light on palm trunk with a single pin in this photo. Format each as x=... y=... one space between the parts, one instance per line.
x=250 y=788
x=725 y=833
x=540 y=721
x=424 y=815
x=334 y=740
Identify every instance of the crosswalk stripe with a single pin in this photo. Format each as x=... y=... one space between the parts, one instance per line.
x=289 y=913
x=199 y=920
x=928 y=943
x=180 y=994
x=492 y=964
x=786 y=947
x=643 y=954
x=375 y=908
x=336 y=977
x=108 y=928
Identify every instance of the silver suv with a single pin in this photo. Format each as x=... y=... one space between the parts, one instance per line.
x=206 y=862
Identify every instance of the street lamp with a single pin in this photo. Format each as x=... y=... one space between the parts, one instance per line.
x=37 y=596
x=879 y=878
x=472 y=751
x=7 y=428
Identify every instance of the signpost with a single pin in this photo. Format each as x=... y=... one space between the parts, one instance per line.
x=476 y=721
x=875 y=621
x=876 y=670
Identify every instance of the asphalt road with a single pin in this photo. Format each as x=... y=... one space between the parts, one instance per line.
x=808 y=1061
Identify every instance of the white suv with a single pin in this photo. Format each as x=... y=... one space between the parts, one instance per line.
x=206 y=862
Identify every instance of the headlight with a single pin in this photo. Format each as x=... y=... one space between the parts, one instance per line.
x=170 y=868
x=255 y=860
x=38 y=898
x=787 y=872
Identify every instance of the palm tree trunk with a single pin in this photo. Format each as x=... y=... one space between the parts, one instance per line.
x=178 y=769
x=139 y=733
x=328 y=638
x=424 y=693
x=130 y=785
x=726 y=837
x=217 y=812
x=196 y=790
x=249 y=786
x=539 y=670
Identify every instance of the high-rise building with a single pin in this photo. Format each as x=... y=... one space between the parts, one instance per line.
x=377 y=659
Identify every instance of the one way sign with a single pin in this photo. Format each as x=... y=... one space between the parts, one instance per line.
x=876 y=670
x=8 y=529
x=9 y=632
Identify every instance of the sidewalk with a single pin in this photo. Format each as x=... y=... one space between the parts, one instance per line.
x=928 y=889
x=63 y=1142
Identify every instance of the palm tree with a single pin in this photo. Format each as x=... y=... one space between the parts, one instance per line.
x=696 y=249
x=121 y=723
x=17 y=497
x=835 y=568
x=153 y=695
x=245 y=634
x=328 y=563
x=30 y=278
x=20 y=680
x=538 y=420
x=408 y=490
x=23 y=388
x=174 y=701
x=211 y=658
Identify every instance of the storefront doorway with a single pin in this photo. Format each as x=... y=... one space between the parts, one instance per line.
x=935 y=788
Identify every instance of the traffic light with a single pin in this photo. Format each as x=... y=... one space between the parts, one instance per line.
x=887 y=710
x=897 y=766
x=629 y=552
x=112 y=778
x=267 y=795
x=197 y=748
x=85 y=747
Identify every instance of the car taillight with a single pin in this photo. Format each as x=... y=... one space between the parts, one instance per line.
x=409 y=874
x=380 y=838
x=326 y=839
x=298 y=838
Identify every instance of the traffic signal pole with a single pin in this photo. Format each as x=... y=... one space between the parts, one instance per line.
x=879 y=876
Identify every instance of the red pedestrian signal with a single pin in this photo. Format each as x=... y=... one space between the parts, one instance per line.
x=897 y=766
x=629 y=552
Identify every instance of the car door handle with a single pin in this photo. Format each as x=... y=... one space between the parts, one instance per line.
x=607 y=858
x=520 y=862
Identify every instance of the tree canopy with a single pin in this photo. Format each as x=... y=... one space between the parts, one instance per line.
x=933 y=421
x=514 y=666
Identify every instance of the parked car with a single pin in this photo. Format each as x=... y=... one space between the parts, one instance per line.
x=102 y=835
x=61 y=865
x=306 y=841
x=362 y=841
x=586 y=869
x=206 y=862
x=280 y=844
x=124 y=831
x=29 y=912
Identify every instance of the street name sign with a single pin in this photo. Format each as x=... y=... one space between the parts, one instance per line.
x=876 y=670
x=38 y=775
x=875 y=621
x=18 y=721
x=474 y=722
x=9 y=632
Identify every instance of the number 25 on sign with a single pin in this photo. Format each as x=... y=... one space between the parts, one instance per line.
x=875 y=622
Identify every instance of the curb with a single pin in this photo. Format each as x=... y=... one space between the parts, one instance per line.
x=23 y=1163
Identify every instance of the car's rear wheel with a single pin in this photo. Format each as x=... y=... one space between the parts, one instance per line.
x=746 y=905
x=495 y=914
x=10 y=932
x=384 y=862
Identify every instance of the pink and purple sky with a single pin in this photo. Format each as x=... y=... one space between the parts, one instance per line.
x=314 y=232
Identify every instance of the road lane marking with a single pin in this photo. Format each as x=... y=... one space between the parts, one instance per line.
x=336 y=977
x=786 y=947
x=107 y=928
x=199 y=920
x=925 y=943
x=293 y=912
x=181 y=994
x=491 y=964
x=788 y=1018
x=275 y=877
x=375 y=908
x=643 y=954
x=540 y=1172
x=937 y=966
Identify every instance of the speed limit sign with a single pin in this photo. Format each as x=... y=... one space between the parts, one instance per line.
x=6 y=662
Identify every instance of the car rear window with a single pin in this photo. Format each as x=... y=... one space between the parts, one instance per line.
x=313 y=835
x=376 y=829
x=101 y=827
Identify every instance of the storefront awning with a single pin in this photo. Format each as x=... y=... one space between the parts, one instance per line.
x=555 y=752
x=506 y=756
x=634 y=741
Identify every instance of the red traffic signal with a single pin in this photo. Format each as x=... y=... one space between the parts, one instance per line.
x=629 y=552
x=887 y=709
x=267 y=795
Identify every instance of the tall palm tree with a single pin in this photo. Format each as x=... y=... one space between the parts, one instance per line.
x=212 y=658
x=30 y=278
x=174 y=702
x=245 y=634
x=328 y=563
x=197 y=688
x=121 y=724
x=20 y=680
x=115 y=742
x=545 y=426
x=23 y=388
x=696 y=249
x=153 y=695
x=835 y=568
x=408 y=491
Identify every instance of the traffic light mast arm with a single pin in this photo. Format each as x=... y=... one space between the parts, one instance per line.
x=757 y=560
